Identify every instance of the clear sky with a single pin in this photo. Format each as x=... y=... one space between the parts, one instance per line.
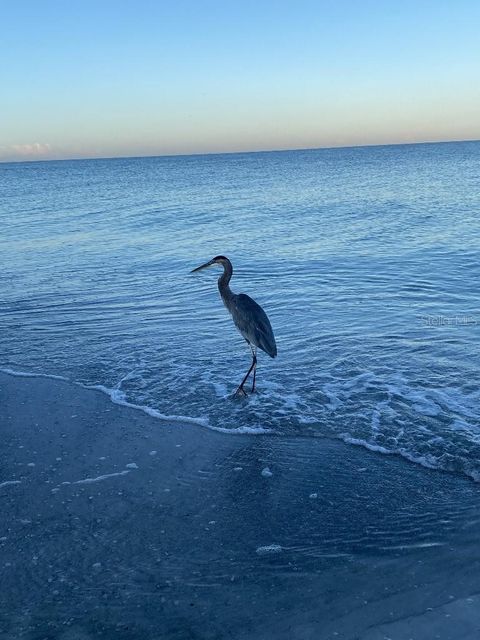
x=85 y=78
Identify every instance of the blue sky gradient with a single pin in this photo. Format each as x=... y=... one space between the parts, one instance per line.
x=104 y=78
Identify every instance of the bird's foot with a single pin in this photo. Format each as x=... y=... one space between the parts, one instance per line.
x=240 y=392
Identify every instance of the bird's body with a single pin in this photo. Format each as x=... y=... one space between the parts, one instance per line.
x=248 y=316
x=260 y=333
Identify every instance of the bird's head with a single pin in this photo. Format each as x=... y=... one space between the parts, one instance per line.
x=221 y=260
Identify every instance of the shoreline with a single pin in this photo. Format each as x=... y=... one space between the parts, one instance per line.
x=117 y=524
x=250 y=431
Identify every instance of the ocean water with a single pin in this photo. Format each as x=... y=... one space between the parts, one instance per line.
x=367 y=261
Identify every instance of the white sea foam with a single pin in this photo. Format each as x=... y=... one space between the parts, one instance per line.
x=419 y=545
x=117 y=396
x=221 y=390
x=254 y=431
x=364 y=443
x=458 y=402
x=421 y=403
x=27 y=374
x=269 y=549
x=427 y=461
x=415 y=422
x=379 y=414
x=8 y=483
x=100 y=478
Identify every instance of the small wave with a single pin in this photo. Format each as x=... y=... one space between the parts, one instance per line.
x=100 y=478
x=269 y=549
x=8 y=483
x=28 y=374
x=379 y=437
x=256 y=431
x=427 y=461
x=364 y=443
x=117 y=396
x=458 y=402
x=391 y=413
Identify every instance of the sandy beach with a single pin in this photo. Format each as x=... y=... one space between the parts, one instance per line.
x=118 y=525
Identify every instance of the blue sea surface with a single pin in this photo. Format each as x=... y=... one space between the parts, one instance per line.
x=367 y=261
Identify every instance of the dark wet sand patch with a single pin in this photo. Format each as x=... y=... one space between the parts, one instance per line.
x=117 y=525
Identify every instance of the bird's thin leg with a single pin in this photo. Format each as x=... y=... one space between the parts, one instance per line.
x=240 y=388
x=254 y=354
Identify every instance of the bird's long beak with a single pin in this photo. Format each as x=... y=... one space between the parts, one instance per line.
x=203 y=266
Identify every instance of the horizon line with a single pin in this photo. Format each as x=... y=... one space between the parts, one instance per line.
x=224 y=153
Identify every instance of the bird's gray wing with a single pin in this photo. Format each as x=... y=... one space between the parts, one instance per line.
x=253 y=323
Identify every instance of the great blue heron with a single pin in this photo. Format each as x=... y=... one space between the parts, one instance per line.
x=248 y=316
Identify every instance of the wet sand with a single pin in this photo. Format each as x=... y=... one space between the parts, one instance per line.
x=117 y=525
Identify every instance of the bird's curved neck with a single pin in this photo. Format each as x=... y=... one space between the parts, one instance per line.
x=223 y=282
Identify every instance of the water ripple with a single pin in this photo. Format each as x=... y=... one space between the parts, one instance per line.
x=366 y=261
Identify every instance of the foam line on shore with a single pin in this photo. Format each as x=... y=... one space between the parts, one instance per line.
x=117 y=396
x=427 y=462
x=28 y=374
x=104 y=477
x=8 y=483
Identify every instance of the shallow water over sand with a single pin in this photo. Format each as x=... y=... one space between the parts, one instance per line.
x=117 y=528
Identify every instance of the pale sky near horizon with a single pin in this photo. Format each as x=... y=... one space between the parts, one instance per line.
x=127 y=78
